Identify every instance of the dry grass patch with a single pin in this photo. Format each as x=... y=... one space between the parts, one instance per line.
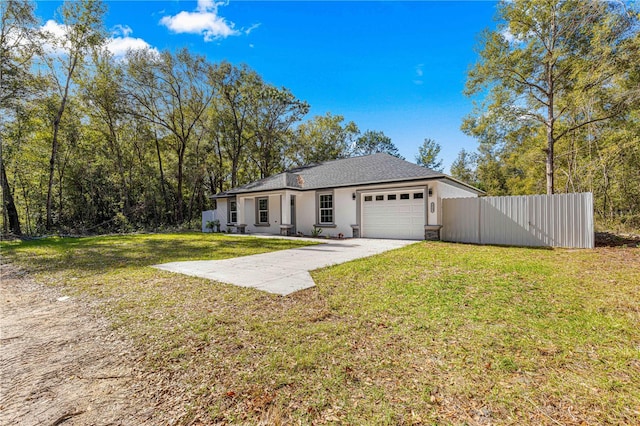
x=431 y=333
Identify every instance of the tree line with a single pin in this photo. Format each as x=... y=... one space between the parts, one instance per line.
x=90 y=142
x=557 y=90
x=94 y=143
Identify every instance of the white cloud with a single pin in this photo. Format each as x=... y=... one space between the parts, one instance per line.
x=55 y=29
x=507 y=35
x=205 y=5
x=121 y=30
x=204 y=20
x=515 y=39
x=118 y=44
x=419 y=73
x=121 y=41
x=251 y=28
x=55 y=34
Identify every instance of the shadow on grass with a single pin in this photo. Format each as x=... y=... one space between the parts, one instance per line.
x=109 y=252
x=608 y=239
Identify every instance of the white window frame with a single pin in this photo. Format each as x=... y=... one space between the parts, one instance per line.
x=259 y=220
x=233 y=212
x=325 y=209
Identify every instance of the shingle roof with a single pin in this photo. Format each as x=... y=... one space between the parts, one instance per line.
x=380 y=167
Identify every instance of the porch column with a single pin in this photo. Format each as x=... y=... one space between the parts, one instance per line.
x=285 y=213
x=285 y=208
x=240 y=209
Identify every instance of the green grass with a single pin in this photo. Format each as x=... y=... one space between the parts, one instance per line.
x=431 y=333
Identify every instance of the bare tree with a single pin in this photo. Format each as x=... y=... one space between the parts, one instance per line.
x=82 y=31
x=171 y=92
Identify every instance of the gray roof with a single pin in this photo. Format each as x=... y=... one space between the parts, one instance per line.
x=368 y=169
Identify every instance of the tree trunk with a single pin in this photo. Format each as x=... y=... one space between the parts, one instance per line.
x=52 y=164
x=195 y=197
x=8 y=202
x=115 y=148
x=180 y=201
x=234 y=171
x=26 y=206
x=162 y=185
x=54 y=143
x=550 y=127
x=219 y=181
x=549 y=162
x=212 y=182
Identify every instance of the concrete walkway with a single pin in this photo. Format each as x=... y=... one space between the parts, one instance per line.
x=286 y=271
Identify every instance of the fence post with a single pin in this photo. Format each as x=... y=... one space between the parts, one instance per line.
x=479 y=220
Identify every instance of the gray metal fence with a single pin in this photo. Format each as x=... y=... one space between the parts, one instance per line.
x=559 y=220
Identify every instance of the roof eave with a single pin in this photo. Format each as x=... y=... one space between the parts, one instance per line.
x=466 y=185
x=231 y=193
x=345 y=185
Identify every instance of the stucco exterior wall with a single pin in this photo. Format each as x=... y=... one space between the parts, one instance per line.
x=221 y=213
x=249 y=213
x=305 y=211
x=440 y=190
x=450 y=190
x=344 y=212
x=345 y=206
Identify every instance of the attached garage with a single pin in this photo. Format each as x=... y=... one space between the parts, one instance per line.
x=372 y=196
x=394 y=214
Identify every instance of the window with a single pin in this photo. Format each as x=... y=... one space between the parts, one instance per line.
x=391 y=197
x=404 y=196
x=418 y=195
x=263 y=210
x=368 y=198
x=379 y=197
x=326 y=208
x=233 y=211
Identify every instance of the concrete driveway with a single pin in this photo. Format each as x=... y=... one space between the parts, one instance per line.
x=286 y=271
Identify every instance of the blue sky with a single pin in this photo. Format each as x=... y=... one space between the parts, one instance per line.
x=395 y=67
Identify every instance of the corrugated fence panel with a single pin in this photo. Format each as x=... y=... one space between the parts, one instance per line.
x=461 y=223
x=559 y=220
x=506 y=222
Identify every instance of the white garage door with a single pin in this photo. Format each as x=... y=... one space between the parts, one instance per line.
x=397 y=214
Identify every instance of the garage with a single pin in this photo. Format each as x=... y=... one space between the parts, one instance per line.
x=393 y=214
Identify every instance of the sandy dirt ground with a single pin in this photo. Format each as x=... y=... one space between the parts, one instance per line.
x=61 y=364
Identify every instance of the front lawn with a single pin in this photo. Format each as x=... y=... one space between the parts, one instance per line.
x=431 y=333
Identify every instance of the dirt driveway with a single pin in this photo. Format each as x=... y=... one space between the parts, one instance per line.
x=60 y=364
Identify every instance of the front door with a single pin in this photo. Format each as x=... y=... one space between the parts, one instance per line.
x=293 y=214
